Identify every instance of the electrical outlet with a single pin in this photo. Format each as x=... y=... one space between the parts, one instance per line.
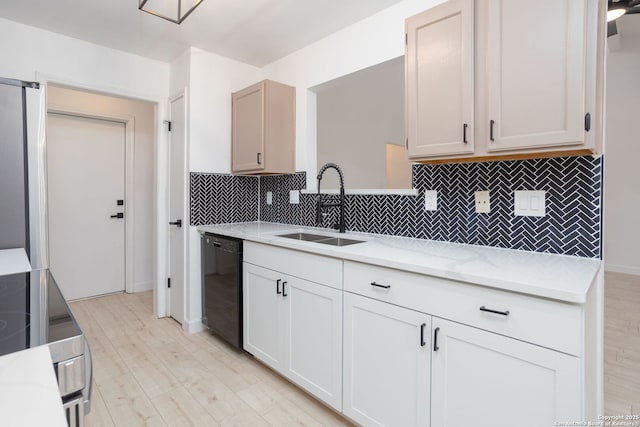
x=529 y=203
x=269 y=197
x=483 y=202
x=430 y=200
x=294 y=196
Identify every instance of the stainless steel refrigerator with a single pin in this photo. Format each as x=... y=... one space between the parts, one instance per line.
x=22 y=183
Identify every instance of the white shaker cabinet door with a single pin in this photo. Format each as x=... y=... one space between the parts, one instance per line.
x=440 y=81
x=313 y=329
x=262 y=314
x=386 y=363
x=535 y=72
x=484 y=379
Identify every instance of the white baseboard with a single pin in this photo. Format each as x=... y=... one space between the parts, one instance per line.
x=142 y=286
x=193 y=326
x=626 y=269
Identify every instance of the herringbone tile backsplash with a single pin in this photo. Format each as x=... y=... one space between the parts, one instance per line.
x=571 y=226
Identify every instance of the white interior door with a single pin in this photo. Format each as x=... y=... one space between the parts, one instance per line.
x=177 y=209
x=85 y=179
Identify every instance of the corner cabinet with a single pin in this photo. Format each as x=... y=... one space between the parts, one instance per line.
x=293 y=325
x=263 y=129
x=505 y=78
x=482 y=378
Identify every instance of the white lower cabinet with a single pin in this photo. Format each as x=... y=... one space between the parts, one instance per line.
x=483 y=379
x=263 y=314
x=391 y=348
x=386 y=363
x=295 y=327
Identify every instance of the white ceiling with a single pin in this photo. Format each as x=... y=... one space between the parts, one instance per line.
x=252 y=31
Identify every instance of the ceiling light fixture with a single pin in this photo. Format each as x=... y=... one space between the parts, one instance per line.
x=613 y=14
x=174 y=11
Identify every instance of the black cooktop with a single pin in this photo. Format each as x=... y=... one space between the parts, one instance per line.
x=33 y=312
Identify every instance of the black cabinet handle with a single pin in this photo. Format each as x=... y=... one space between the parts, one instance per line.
x=435 y=339
x=177 y=222
x=491 y=123
x=258 y=159
x=378 y=285
x=464 y=133
x=278 y=286
x=119 y=215
x=422 y=343
x=284 y=292
x=488 y=310
x=587 y=122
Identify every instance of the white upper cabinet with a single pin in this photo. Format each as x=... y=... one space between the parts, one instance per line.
x=439 y=80
x=525 y=77
x=535 y=72
x=263 y=129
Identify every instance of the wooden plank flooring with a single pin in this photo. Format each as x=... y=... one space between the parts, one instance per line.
x=147 y=371
x=621 y=344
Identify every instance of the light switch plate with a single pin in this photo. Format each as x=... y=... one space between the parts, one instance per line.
x=529 y=203
x=269 y=197
x=294 y=196
x=483 y=202
x=430 y=200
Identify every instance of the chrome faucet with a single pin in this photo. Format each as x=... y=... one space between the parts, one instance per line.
x=319 y=205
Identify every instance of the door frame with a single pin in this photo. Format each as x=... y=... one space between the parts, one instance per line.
x=129 y=126
x=37 y=128
x=184 y=93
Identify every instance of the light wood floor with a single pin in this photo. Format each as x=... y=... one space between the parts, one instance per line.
x=622 y=344
x=147 y=371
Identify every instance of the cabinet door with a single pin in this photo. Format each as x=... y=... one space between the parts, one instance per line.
x=535 y=73
x=248 y=129
x=262 y=318
x=484 y=379
x=314 y=339
x=439 y=80
x=386 y=363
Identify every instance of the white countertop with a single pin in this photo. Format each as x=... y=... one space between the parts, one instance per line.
x=13 y=261
x=29 y=394
x=559 y=277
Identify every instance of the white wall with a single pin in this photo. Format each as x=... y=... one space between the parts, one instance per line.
x=375 y=39
x=212 y=78
x=143 y=113
x=622 y=175
x=29 y=53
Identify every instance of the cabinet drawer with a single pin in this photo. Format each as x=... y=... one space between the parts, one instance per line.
x=315 y=268
x=540 y=321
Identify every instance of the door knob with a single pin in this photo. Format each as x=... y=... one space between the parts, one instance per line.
x=178 y=222
x=119 y=215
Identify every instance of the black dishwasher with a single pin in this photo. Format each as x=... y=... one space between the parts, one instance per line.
x=222 y=287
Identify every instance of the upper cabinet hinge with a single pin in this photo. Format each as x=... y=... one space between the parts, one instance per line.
x=587 y=122
x=168 y=122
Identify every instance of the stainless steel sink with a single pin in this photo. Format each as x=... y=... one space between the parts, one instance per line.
x=308 y=237
x=339 y=241
x=319 y=238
